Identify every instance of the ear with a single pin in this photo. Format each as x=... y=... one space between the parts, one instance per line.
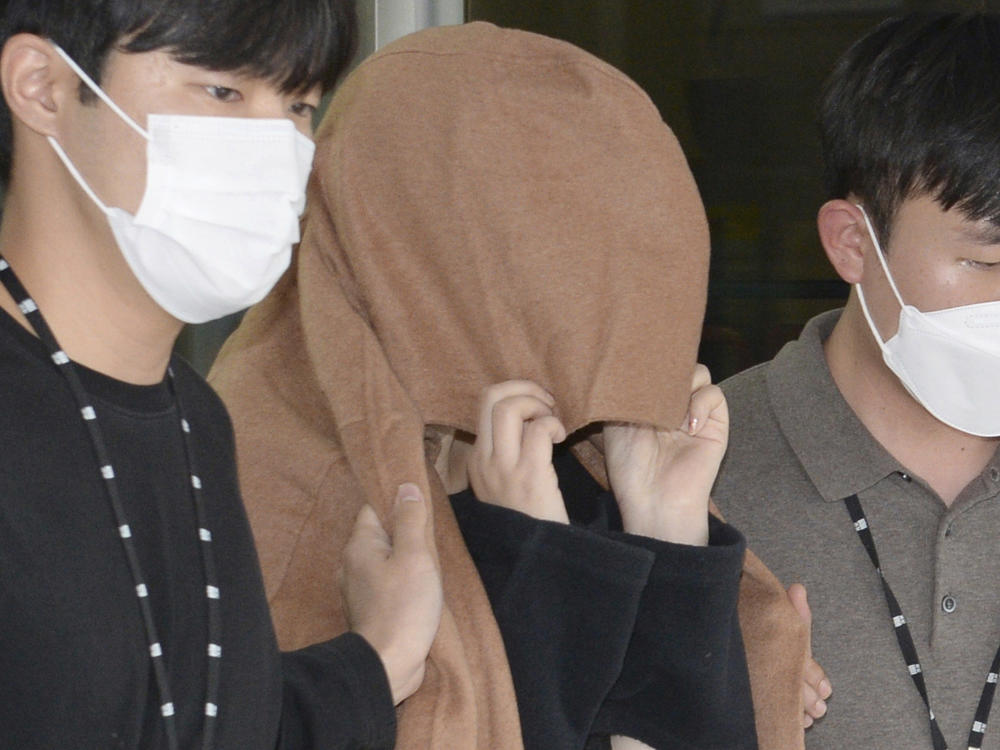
x=35 y=81
x=845 y=239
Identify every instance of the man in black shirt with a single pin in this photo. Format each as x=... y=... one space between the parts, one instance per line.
x=154 y=155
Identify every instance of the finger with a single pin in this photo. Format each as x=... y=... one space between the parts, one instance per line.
x=616 y=433
x=509 y=417
x=410 y=517
x=708 y=402
x=819 y=709
x=539 y=436
x=367 y=536
x=700 y=378
x=812 y=704
x=498 y=392
x=814 y=675
x=825 y=689
x=797 y=596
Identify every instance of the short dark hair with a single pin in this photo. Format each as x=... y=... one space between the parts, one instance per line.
x=913 y=108
x=296 y=44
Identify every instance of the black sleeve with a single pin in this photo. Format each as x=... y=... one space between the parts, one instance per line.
x=684 y=683
x=336 y=697
x=565 y=600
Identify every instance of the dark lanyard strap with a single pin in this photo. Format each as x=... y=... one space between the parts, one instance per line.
x=909 y=650
x=124 y=530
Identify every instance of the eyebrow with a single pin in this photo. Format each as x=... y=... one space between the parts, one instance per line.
x=983 y=234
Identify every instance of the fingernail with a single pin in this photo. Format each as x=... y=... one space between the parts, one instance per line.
x=693 y=425
x=820 y=707
x=409 y=493
x=825 y=687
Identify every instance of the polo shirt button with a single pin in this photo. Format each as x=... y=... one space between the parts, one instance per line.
x=948 y=604
x=904 y=476
x=995 y=474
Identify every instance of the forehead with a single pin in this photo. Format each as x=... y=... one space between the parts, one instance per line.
x=160 y=68
x=925 y=221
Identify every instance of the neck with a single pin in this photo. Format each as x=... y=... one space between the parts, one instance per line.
x=63 y=251
x=899 y=423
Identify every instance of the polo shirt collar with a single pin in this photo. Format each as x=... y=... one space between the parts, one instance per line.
x=842 y=458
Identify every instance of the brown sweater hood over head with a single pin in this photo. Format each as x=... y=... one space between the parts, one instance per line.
x=487 y=204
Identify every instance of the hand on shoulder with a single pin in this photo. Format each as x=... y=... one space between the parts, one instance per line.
x=392 y=588
x=816 y=687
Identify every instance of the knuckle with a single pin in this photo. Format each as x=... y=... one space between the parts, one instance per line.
x=490 y=393
x=535 y=427
x=500 y=408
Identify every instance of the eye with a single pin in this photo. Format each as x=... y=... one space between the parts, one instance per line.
x=303 y=109
x=980 y=265
x=224 y=94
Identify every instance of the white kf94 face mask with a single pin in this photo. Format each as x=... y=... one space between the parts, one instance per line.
x=220 y=211
x=948 y=360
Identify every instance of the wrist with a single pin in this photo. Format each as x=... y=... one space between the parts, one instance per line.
x=678 y=522
x=404 y=673
x=686 y=528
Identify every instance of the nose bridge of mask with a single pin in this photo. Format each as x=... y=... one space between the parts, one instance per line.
x=196 y=153
x=196 y=165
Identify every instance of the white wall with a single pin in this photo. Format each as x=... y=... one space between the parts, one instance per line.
x=383 y=21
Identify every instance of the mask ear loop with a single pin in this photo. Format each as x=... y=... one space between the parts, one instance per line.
x=76 y=174
x=885 y=267
x=881 y=255
x=99 y=92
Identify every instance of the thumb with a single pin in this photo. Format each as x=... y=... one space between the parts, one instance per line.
x=409 y=520
x=797 y=596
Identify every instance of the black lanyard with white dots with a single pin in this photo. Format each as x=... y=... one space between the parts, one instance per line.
x=909 y=650
x=213 y=651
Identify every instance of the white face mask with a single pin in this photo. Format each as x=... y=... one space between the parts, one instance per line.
x=220 y=212
x=948 y=360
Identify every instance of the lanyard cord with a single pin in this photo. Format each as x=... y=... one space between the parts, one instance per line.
x=909 y=650
x=214 y=650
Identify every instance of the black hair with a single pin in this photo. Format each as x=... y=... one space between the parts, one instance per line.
x=295 y=44
x=913 y=108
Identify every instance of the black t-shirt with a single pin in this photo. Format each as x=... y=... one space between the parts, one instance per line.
x=609 y=633
x=75 y=669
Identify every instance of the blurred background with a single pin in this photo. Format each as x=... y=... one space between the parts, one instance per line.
x=738 y=81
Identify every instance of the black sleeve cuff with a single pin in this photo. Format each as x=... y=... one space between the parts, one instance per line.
x=336 y=695
x=684 y=682
x=565 y=600
x=720 y=559
x=508 y=546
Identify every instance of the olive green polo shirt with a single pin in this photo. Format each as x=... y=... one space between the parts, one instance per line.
x=796 y=450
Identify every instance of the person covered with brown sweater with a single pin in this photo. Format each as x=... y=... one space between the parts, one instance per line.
x=492 y=205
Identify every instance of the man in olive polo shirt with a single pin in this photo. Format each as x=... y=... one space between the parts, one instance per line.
x=873 y=437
